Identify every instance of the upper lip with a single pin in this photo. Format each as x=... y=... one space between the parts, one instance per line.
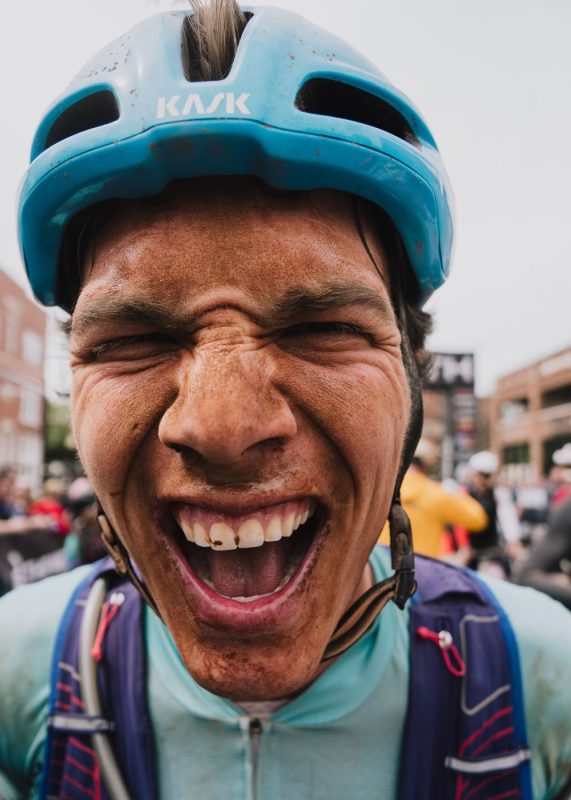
x=235 y=505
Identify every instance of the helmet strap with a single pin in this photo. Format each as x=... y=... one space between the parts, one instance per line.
x=360 y=616
x=121 y=558
x=357 y=620
x=402 y=553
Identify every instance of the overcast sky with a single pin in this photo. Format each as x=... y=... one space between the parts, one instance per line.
x=493 y=78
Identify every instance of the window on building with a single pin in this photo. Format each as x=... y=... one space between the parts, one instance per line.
x=511 y=410
x=516 y=454
x=30 y=408
x=32 y=348
x=556 y=397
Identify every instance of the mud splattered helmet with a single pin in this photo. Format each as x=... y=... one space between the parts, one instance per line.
x=299 y=109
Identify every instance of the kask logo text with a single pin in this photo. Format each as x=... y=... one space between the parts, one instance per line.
x=177 y=106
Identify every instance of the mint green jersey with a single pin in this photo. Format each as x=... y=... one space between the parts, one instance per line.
x=340 y=738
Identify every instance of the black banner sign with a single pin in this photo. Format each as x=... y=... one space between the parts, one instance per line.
x=452 y=375
x=451 y=370
x=30 y=556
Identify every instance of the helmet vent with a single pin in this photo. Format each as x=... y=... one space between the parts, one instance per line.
x=330 y=98
x=92 y=111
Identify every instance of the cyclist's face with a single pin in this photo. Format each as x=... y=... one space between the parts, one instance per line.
x=237 y=373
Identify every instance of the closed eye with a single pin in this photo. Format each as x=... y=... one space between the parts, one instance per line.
x=328 y=328
x=139 y=346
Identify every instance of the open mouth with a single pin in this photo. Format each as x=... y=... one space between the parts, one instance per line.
x=250 y=556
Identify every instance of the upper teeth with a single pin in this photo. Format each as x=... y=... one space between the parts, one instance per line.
x=251 y=532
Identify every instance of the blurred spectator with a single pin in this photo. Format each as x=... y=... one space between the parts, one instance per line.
x=532 y=499
x=533 y=502
x=30 y=540
x=509 y=521
x=561 y=475
x=11 y=521
x=50 y=505
x=548 y=567
x=455 y=546
x=488 y=545
x=7 y=483
x=84 y=544
x=430 y=507
x=22 y=498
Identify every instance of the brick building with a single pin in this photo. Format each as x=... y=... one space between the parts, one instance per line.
x=530 y=412
x=22 y=344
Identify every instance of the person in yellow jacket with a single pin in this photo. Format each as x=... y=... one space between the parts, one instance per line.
x=430 y=507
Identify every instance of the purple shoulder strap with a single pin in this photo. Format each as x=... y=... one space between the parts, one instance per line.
x=465 y=733
x=71 y=768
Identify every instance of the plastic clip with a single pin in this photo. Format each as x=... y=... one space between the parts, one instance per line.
x=448 y=649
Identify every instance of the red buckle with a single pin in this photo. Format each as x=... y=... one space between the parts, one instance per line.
x=108 y=612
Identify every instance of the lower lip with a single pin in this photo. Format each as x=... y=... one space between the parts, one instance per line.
x=270 y=611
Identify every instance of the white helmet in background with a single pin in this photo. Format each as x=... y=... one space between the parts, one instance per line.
x=484 y=462
x=562 y=457
x=426 y=452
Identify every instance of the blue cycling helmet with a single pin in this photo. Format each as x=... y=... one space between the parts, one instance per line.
x=299 y=109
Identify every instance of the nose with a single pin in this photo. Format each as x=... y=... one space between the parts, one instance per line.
x=226 y=406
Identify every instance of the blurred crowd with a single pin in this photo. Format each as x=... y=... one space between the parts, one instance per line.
x=64 y=508
x=517 y=530
x=513 y=529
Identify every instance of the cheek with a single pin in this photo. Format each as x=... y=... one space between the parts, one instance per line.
x=111 y=417
x=363 y=411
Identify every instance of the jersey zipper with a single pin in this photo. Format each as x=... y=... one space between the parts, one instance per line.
x=255 y=729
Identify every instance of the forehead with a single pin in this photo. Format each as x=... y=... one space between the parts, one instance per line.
x=205 y=234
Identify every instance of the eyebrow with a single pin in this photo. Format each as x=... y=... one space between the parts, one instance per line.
x=295 y=303
x=106 y=309
x=298 y=301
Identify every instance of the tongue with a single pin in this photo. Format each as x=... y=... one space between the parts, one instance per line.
x=251 y=571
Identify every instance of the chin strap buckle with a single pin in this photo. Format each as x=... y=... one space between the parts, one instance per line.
x=120 y=556
x=402 y=554
x=112 y=544
x=357 y=620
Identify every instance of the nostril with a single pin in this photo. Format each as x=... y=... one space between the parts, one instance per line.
x=272 y=445
x=190 y=458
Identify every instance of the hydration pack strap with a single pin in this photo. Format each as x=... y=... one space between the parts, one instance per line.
x=71 y=765
x=465 y=733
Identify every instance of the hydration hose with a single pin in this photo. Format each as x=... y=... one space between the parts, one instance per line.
x=88 y=679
